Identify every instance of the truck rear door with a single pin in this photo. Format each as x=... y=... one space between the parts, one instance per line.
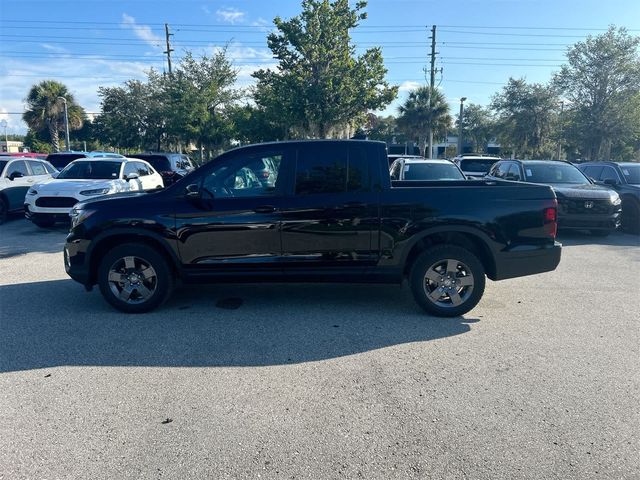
x=331 y=219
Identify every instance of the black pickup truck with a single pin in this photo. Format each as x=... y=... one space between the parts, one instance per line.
x=313 y=211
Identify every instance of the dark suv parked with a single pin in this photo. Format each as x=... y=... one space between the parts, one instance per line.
x=581 y=204
x=172 y=166
x=624 y=178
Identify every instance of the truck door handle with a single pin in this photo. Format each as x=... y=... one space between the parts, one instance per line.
x=265 y=209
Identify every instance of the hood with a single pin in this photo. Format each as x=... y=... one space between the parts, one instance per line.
x=61 y=186
x=587 y=190
x=128 y=196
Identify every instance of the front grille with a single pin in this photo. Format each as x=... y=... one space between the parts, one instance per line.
x=572 y=206
x=56 y=202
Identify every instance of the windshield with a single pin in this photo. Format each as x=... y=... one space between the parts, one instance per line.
x=91 y=170
x=553 y=173
x=477 y=164
x=431 y=171
x=61 y=160
x=158 y=162
x=631 y=173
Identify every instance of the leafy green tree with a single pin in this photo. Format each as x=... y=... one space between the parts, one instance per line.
x=422 y=108
x=45 y=110
x=131 y=116
x=199 y=97
x=526 y=118
x=321 y=88
x=37 y=141
x=602 y=81
x=252 y=124
x=478 y=126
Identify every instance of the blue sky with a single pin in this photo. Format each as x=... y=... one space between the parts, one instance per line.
x=481 y=43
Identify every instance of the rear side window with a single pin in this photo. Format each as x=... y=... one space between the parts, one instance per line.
x=332 y=168
x=37 y=168
x=514 y=173
x=608 y=173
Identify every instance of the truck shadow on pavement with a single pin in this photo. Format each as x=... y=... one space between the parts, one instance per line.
x=21 y=237
x=56 y=323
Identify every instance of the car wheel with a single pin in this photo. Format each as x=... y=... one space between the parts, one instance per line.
x=447 y=281
x=4 y=210
x=135 y=278
x=600 y=233
x=44 y=222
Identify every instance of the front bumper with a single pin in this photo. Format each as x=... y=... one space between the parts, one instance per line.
x=511 y=264
x=76 y=261
x=589 y=222
x=31 y=214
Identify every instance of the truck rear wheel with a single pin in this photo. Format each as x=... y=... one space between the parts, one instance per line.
x=134 y=278
x=447 y=281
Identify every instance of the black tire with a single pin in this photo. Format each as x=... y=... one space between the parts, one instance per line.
x=158 y=284
x=469 y=278
x=600 y=233
x=43 y=222
x=4 y=210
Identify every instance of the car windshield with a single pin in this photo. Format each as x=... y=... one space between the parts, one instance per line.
x=158 y=162
x=61 y=160
x=477 y=164
x=431 y=171
x=631 y=173
x=553 y=173
x=93 y=170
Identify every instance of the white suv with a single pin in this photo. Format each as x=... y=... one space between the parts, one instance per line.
x=52 y=200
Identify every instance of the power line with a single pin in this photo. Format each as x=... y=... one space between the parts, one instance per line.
x=512 y=34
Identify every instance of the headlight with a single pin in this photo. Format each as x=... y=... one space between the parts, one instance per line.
x=32 y=192
x=615 y=198
x=78 y=216
x=97 y=191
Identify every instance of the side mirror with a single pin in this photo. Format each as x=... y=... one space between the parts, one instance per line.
x=15 y=175
x=132 y=176
x=611 y=182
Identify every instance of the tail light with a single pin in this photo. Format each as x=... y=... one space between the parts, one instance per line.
x=551 y=220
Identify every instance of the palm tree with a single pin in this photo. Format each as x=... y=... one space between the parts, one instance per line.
x=416 y=115
x=45 y=110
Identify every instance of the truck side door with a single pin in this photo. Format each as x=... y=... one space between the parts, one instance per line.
x=232 y=224
x=332 y=219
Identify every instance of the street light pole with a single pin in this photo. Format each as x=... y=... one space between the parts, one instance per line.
x=460 y=125
x=4 y=124
x=66 y=124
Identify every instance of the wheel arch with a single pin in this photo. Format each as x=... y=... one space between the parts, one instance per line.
x=111 y=239
x=474 y=241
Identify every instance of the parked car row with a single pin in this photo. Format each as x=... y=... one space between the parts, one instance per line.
x=47 y=189
x=595 y=196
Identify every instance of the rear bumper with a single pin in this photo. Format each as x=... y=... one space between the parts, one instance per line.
x=527 y=262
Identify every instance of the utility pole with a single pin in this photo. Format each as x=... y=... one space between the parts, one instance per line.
x=66 y=123
x=169 y=49
x=432 y=83
x=559 y=152
x=460 y=125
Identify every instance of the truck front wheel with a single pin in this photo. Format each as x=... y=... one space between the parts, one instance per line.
x=447 y=281
x=134 y=278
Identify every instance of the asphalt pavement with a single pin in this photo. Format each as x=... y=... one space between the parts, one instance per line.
x=540 y=381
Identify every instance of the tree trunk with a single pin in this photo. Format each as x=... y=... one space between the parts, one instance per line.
x=422 y=143
x=53 y=134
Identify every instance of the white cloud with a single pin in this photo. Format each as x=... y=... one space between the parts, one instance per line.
x=143 y=32
x=54 y=48
x=409 y=86
x=82 y=78
x=230 y=15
